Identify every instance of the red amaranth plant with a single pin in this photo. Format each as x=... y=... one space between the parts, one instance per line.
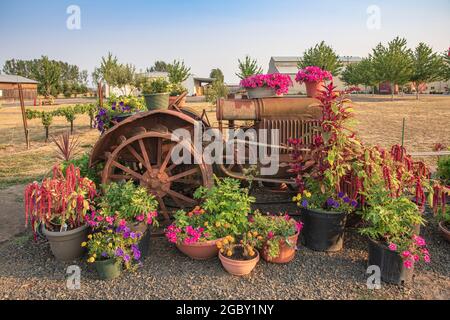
x=59 y=201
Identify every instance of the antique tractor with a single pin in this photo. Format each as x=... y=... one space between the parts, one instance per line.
x=140 y=147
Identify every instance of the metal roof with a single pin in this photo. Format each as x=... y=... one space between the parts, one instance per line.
x=297 y=58
x=204 y=79
x=6 y=78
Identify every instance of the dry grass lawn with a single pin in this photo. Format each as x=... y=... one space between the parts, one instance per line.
x=380 y=122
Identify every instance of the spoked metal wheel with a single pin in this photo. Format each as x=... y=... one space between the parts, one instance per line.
x=146 y=159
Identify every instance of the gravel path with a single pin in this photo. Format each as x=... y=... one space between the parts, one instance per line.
x=28 y=271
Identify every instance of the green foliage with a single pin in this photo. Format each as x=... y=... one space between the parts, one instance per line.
x=351 y=75
x=393 y=63
x=83 y=164
x=217 y=74
x=178 y=72
x=248 y=67
x=323 y=56
x=177 y=89
x=228 y=203
x=159 y=66
x=115 y=74
x=443 y=170
x=158 y=85
x=427 y=65
x=46 y=118
x=445 y=72
x=216 y=91
x=126 y=201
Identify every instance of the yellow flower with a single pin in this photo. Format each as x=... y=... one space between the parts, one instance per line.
x=206 y=223
x=221 y=250
x=229 y=253
x=217 y=224
x=110 y=245
x=91 y=260
x=110 y=231
x=227 y=225
x=255 y=233
x=249 y=234
x=225 y=241
x=94 y=255
x=307 y=193
x=84 y=244
x=90 y=236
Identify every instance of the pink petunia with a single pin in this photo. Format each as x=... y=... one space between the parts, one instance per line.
x=408 y=264
x=406 y=254
x=393 y=247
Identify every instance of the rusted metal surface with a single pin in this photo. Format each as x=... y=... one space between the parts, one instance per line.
x=268 y=108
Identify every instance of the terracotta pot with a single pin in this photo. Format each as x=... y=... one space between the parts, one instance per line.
x=66 y=246
x=287 y=252
x=262 y=92
x=182 y=102
x=239 y=267
x=200 y=250
x=444 y=231
x=313 y=88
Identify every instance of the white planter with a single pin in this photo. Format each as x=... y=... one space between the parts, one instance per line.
x=263 y=92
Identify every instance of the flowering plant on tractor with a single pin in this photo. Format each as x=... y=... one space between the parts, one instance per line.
x=61 y=202
x=272 y=230
x=122 y=204
x=114 y=243
x=277 y=81
x=313 y=74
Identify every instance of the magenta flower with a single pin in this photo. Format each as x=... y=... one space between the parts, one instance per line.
x=110 y=220
x=140 y=218
x=408 y=264
x=406 y=254
x=427 y=258
x=277 y=81
x=270 y=235
x=313 y=74
x=393 y=247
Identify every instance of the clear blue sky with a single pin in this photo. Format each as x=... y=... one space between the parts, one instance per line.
x=211 y=33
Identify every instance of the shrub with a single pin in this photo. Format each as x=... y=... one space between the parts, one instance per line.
x=158 y=85
x=443 y=170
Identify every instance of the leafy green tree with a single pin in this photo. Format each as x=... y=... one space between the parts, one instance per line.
x=217 y=74
x=393 y=63
x=47 y=73
x=106 y=70
x=446 y=65
x=216 y=91
x=427 y=66
x=178 y=72
x=351 y=75
x=323 y=56
x=248 y=67
x=159 y=66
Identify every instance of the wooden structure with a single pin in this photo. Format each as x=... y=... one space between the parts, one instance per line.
x=9 y=91
x=140 y=147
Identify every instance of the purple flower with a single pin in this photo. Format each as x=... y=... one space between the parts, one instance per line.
x=132 y=235
x=126 y=234
x=347 y=200
x=104 y=254
x=336 y=205
x=121 y=103
x=341 y=194
x=330 y=202
x=354 y=203
x=126 y=258
x=119 y=252
x=305 y=203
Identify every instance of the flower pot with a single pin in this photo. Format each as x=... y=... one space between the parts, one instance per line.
x=157 y=101
x=144 y=242
x=200 y=250
x=323 y=230
x=122 y=117
x=108 y=269
x=239 y=267
x=287 y=252
x=174 y=98
x=66 y=246
x=313 y=88
x=390 y=263
x=262 y=92
x=444 y=231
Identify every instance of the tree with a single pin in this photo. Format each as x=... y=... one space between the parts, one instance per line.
x=392 y=63
x=446 y=65
x=367 y=74
x=351 y=75
x=248 y=67
x=217 y=74
x=323 y=56
x=178 y=72
x=159 y=66
x=115 y=74
x=427 y=66
x=47 y=73
x=216 y=91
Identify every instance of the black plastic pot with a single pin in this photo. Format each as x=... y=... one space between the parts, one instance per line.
x=390 y=262
x=144 y=242
x=323 y=230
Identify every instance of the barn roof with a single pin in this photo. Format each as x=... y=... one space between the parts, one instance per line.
x=6 y=78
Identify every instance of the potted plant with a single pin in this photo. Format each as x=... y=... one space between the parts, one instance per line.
x=117 y=109
x=124 y=204
x=394 y=245
x=240 y=258
x=113 y=249
x=276 y=236
x=156 y=94
x=223 y=212
x=59 y=204
x=313 y=77
x=176 y=90
x=324 y=215
x=266 y=85
x=323 y=173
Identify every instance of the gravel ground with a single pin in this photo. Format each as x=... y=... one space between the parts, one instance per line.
x=28 y=271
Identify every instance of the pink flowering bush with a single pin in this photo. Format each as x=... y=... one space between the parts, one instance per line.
x=277 y=81
x=313 y=74
x=416 y=251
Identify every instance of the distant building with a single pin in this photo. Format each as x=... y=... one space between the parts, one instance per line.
x=9 y=90
x=288 y=65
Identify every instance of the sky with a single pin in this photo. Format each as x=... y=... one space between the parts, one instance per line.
x=209 y=34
